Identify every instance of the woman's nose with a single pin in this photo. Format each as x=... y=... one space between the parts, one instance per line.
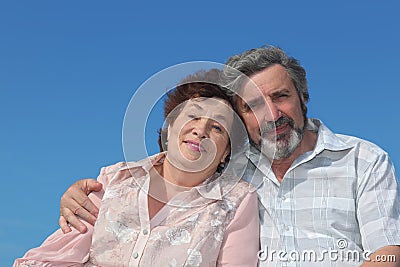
x=200 y=128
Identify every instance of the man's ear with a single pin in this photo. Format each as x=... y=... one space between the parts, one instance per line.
x=303 y=104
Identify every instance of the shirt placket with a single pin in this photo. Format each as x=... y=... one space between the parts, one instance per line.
x=285 y=211
x=144 y=233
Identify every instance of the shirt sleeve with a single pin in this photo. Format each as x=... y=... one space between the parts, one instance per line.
x=61 y=250
x=378 y=205
x=241 y=241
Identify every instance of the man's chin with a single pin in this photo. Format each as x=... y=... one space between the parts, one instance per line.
x=277 y=150
x=268 y=149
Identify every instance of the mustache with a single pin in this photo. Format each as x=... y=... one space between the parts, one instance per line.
x=272 y=125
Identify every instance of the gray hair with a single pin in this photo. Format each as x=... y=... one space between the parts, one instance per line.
x=242 y=66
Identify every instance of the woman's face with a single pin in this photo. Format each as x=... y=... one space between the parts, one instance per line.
x=198 y=138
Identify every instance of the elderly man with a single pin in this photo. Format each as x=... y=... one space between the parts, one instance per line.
x=324 y=198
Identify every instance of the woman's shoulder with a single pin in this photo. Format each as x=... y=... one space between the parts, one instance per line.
x=233 y=187
x=121 y=166
x=114 y=168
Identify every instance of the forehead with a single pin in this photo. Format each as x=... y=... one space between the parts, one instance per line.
x=213 y=108
x=266 y=82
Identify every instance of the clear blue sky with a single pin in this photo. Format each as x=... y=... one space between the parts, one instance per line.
x=69 y=69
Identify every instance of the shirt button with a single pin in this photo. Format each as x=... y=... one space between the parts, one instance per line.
x=286 y=228
x=283 y=198
x=145 y=232
x=135 y=255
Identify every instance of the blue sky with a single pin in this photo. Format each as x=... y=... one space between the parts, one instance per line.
x=69 y=69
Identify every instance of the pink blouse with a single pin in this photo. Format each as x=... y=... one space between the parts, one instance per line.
x=213 y=224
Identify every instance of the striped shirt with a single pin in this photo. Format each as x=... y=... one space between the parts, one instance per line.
x=335 y=206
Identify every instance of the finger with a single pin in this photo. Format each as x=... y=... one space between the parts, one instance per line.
x=75 y=203
x=76 y=200
x=88 y=210
x=85 y=215
x=73 y=220
x=64 y=225
x=69 y=209
x=90 y=185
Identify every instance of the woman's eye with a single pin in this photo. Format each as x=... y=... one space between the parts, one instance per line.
x=193 y=117
x=218 y=128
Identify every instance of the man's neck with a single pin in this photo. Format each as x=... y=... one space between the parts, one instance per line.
x=308 y=142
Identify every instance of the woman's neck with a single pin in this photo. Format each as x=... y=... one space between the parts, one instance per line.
x=166 y=181
x=184 y=179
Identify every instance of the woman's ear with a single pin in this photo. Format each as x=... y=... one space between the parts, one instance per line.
x=168 y=132
x=226 y=153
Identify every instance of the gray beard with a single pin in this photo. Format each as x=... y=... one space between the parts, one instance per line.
x=283 y=146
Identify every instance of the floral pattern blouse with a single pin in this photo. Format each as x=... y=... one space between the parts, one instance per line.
x=213 y=224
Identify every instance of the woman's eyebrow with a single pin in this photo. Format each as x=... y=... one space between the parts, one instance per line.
x=197 y=106
x=219 y=117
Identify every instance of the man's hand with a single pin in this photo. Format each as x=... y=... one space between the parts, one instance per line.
x=75 y=202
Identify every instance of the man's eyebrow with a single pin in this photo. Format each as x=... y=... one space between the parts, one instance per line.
x=254 y=100
x=280 y=92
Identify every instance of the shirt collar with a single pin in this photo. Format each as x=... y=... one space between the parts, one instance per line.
x=209 y=188
x=327 y=140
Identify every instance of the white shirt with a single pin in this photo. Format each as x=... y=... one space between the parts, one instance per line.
x=334 y=203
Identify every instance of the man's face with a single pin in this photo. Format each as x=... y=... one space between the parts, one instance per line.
x=272 y=111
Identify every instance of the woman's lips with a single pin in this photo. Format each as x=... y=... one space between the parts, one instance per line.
x=193 y=145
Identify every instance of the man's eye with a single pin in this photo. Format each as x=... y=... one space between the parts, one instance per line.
x=254 y=105
x=246 y=108
x=281 y=96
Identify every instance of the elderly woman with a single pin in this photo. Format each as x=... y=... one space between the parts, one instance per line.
x=172 y=209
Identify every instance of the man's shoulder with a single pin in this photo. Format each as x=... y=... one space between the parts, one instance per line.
x=343 y=141
x=362 y=145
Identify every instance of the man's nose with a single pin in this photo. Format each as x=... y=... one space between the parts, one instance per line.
x=272 y=112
